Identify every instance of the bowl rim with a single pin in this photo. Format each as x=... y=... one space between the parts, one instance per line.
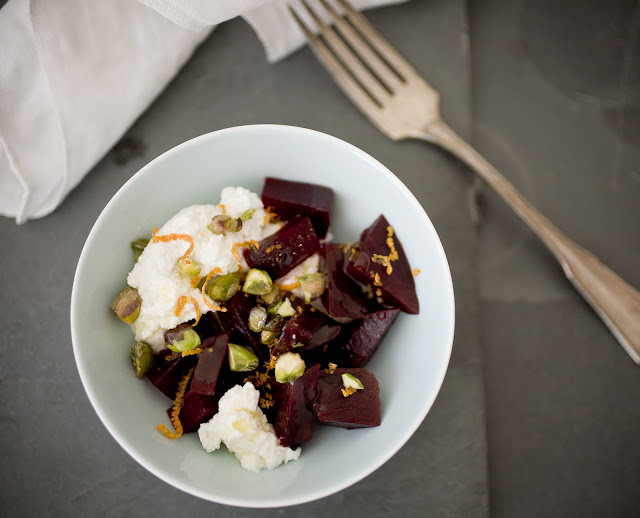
x=309 y=496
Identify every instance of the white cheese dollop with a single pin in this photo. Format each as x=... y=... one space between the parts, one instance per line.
x=243 y=427
x=156 y=275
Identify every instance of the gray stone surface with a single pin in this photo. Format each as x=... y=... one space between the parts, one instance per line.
x=58 y=458
x=556 y=104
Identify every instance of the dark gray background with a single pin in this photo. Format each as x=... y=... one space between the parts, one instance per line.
x=549 y=92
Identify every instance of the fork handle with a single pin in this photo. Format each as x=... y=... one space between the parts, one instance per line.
x=612 y=298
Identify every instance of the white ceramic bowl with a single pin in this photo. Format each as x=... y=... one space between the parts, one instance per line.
x=410 y=363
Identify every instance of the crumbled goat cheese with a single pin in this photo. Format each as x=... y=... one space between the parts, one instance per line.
x=243 y=427
x=156 y=275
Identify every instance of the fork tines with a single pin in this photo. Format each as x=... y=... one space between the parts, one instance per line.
x=361 y=61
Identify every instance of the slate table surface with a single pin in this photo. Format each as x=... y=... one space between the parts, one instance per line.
x=539 y=414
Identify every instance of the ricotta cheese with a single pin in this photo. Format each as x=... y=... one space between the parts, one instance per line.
x=243 y=427
x=156 y=275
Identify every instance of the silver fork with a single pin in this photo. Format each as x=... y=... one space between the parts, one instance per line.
x=402 y=105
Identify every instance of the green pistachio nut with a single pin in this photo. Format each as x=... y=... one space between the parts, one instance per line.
x=289 y=366
x=247 y=214
x=187 y=340
x=268 y=337
x=272 y=297
x=286 y=309
x=257 y=319
x=350 y=381
x=273 y=308
x=223 y=223
x=127 y=304
x=188 y=266
x=274 y=324
x=242 y=359
x=313 y=285
x=138 y=247
x=141 y=358
x=257 y=282
x=223 y=287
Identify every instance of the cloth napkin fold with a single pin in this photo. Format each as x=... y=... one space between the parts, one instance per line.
x=74 y=75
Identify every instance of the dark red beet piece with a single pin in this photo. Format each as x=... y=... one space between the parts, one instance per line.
x=287 y=248
x=210 y=362
x=398 y=289
x=332 y=352
x=343 y=298
x=305 y=330
x=359 y=410
x=196 y=409
x=236 y=321
x=367 y=334
x=290 y=199
x=166 y=374
x=294 y=416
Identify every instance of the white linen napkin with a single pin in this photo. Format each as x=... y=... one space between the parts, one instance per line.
x=74 y=75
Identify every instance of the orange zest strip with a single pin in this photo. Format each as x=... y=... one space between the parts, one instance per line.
x=175 y=410
x=235 y=246
x=197 y=308
x=182 y=300
x=194 y=281
x=197 y=350
x=415 y=272
x=386 y=260
x=181 y=303
x=205 y=297
x=223 y=208
x=174 y=237
x=346 y=392
x=288 y=287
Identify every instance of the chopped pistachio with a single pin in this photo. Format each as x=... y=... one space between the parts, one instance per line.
x=257 y=319
x=223 y=223
x=183 y=338
x=141 y=358
x=242 y=359
x=257 y=282
x=246 y=215
x=223 y=287
x=273 y=308
x=271 y=297
x=127 y=304
x=268 y=337
x=351 y=382
x=275 y=324
x=289 y=366
x=285 y=309
x=188 y=266
x=313 y=285
x=138 y=247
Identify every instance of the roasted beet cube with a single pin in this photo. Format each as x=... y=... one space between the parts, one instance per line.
x=236 y=321
x=343 y=298
x=287 y=248
x=165 y=374
x=305 y=330
x=294 y=416
x=289 y=199
x=377 y=265
x=334 y=351
x=360 y=409
x=367 y=334
x=196 y=409
x=210 y=362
